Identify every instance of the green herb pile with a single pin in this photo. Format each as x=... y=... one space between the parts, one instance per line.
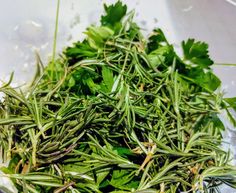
x=119 y=112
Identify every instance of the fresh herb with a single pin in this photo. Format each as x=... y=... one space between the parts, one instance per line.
x=119 y=113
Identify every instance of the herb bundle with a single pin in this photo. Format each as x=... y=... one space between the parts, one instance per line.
x=119 y=113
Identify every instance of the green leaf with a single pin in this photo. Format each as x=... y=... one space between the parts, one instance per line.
x=107 y=76
x=123 y=179
x=101 y=176
x=113 y=15
x=122 y=151
x=71 y=82
x=86 y=81
x=231 y=117
x=158 y=56
x=76 y=168
x=48 y=184
x=37 y=176
x=104 y=183
x=207 y=80
x=13 y=163
x=156 y=40
x=80 y=50
x=212 y=118
x=148 y=191
x=97 y=36
x=231 y=102
x=92 y=86
x=196 y=53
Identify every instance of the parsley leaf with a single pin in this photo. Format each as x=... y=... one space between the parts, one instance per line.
x=156 y=40
x=197 y=63
x=90 y=47
x=123 y=179
x=160 y=53
x=79 y=51
x=107 y=76
x=196 y=53
x=113 y=15
x=206 y=80
x=97 y=36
